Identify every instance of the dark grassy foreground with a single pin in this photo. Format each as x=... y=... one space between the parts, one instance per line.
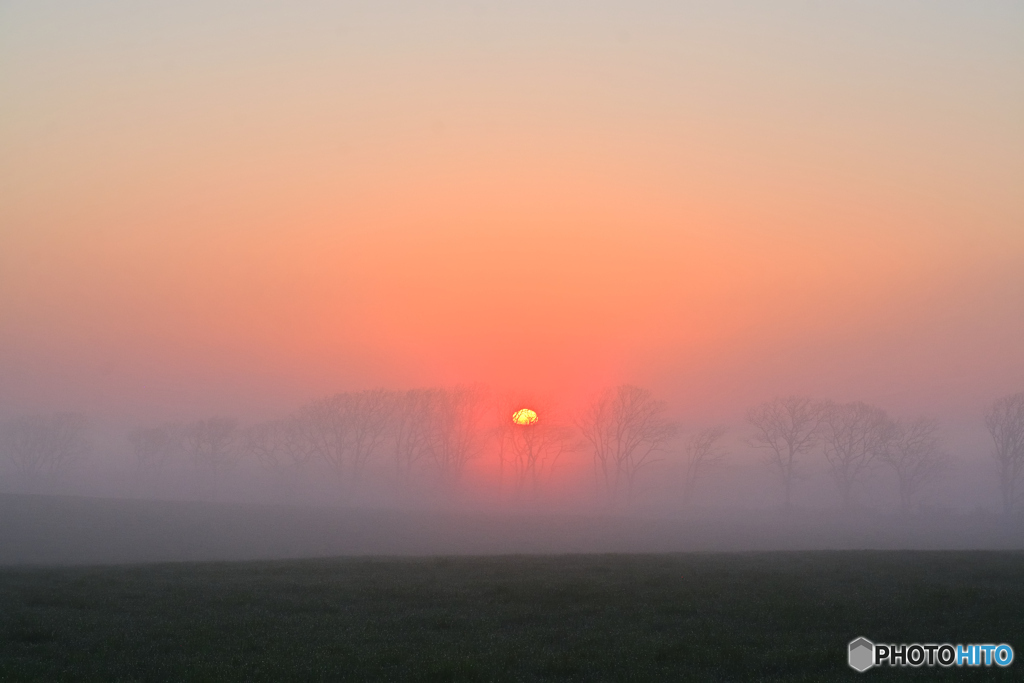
x=763 y=616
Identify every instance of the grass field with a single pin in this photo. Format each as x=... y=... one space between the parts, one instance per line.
x=700 y=617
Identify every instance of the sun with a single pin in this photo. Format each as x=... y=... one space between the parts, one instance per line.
x=524 y=416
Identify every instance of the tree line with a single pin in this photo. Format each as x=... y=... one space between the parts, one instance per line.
x=433 y=434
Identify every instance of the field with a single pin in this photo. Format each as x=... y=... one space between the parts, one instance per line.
x=783 y=616
x=67 y=530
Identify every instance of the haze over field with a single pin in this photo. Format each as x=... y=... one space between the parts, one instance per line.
x=240 y=209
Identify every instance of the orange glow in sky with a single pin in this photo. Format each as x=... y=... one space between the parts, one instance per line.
x=203 y=208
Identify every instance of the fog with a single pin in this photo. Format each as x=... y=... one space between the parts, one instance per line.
x=461 y=470
x=274 y=280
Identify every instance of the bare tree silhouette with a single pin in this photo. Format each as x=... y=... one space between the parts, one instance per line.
x=369 y=414
x=410 y=422
x=295 y=444
x=529 y=449
x=915 y=454
x=853 y=436
x=787 y=428
x=701 y=451
x=1005 y=422
x=210 y=445
x=42 y=448
x=453 y=435
x=280 y=447
x=153 y=449
x=347 y=431
x=625 y=428
x=325 y=427
x=264 y=442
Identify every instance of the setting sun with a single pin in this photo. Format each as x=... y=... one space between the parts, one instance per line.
x=275 y=275
x=524 y=416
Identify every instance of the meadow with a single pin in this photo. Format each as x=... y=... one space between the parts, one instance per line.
x=761 y=616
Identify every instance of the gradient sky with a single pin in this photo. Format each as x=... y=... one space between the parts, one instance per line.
x=242 y=205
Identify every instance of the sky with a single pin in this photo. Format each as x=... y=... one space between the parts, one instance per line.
x=240 y=206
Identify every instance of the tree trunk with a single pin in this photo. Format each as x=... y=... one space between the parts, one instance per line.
x=1007 y=491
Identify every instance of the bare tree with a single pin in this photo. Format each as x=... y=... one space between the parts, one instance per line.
x=625 y=428
x=787 y=428
x=41 y=448
x=210 y=445
x=1005 y=422
x=348 y=430
x=325 y=428
x=453 y=437
x=853 y=436
x=915 y=455
x=369 y=415
x=702 y=450
x=530 y=447
x=295 y=444
x=264 y=442
x=410 y=420
x=154 y=448
x=280 y=446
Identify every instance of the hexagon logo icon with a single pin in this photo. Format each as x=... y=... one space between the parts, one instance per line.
x=862 y=654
